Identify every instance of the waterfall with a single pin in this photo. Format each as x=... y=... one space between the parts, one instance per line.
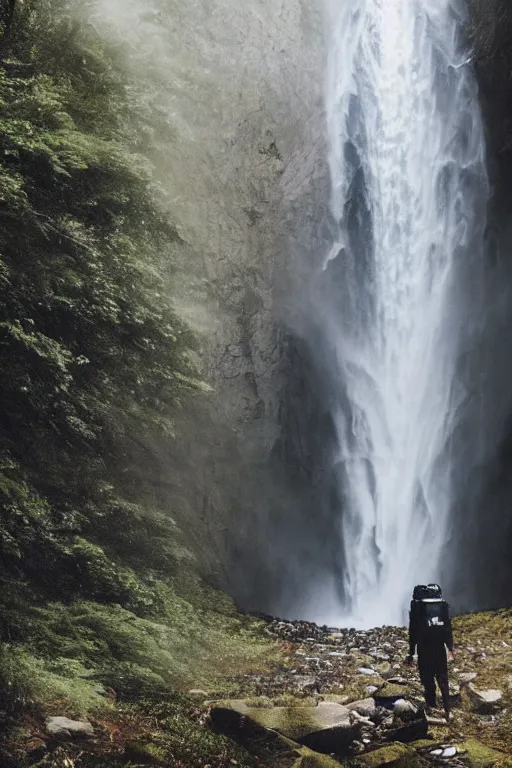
x=409 y=195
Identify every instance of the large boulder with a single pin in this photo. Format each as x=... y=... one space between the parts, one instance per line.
x=246 y=731
x=326 y=728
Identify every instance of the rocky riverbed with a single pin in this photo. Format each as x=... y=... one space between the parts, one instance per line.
x=349 y=695
x=322 y=697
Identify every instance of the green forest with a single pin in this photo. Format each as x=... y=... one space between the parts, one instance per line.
x=96 y=588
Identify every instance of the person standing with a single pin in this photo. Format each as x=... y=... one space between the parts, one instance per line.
x=430 y=632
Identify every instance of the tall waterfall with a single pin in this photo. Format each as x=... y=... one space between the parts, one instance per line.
x=409 y=191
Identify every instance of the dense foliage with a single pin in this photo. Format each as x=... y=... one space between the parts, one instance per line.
x=95 y=361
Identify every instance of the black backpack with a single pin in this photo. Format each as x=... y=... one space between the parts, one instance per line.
x=428 y=609
x=427 y=592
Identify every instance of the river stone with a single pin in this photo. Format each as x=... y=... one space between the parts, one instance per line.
x=484 y=701
x=467 y=677
x=367 y=671
x=64 y=728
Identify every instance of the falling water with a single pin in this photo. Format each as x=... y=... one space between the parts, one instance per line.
x=409 y=188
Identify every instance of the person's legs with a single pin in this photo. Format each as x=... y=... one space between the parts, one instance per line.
x=427 y=677
x=443 y=680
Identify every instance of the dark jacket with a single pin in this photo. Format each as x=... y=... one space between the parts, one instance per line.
x=426 y=637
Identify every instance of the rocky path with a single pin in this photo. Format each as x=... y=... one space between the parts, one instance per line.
x=349 y=695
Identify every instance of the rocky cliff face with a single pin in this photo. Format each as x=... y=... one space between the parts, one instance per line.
x=234 y=125
x=483 y=529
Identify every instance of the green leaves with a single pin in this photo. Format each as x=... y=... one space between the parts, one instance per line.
x=95 y=358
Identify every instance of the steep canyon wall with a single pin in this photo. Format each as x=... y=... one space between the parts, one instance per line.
x=234 y=123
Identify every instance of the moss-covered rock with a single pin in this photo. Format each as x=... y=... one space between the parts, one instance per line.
x=412 y=760
x=385 y=756
x=480 y=756
x=423 y=744
x=310 y=759
x=325 y=728
x=294 y=722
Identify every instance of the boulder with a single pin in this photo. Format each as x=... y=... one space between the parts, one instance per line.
x=248 y=732
x=325 y=728
x=484 y=701
x=64 y=728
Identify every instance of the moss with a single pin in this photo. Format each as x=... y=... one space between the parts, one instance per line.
x=412 y=760
x=392 y=691
x=71 y=649
x=145 y=754
x=384 y=756
x=423 y=743
x=309 y=759
x=262 y=702
x=291 y=722
x=480 y=756
x=28 y=680
x=288 y=700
